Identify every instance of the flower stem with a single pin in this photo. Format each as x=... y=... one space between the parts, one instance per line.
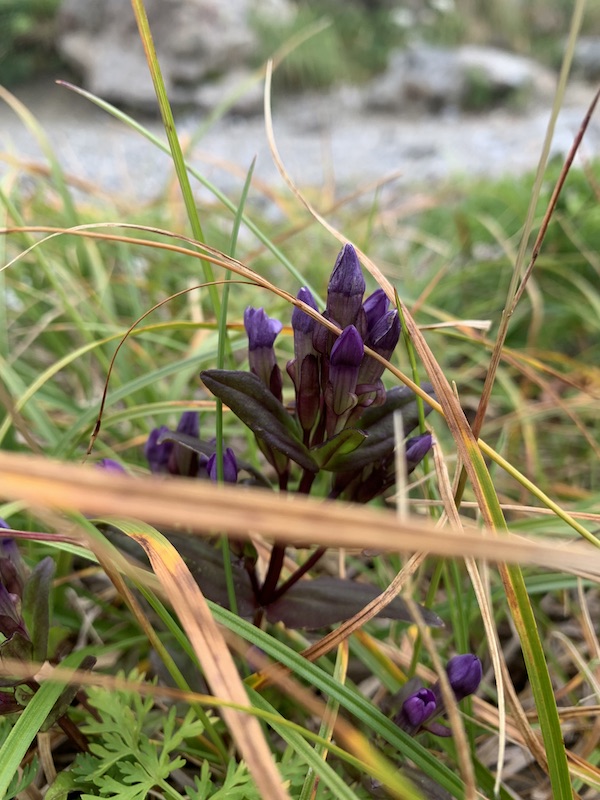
x=299 y=573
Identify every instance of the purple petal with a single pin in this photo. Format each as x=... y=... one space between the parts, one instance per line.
x=417 y=448
x=189 y=424
x=230 y=467
x=375 y=306
x=346 y=288
x=348 y=349
x=301 y=321
x=261 y=329
x=464 y=673
x=347 y=278
x=157 y=455
x=419 y=707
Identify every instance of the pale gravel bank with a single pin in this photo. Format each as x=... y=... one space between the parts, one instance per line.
x=321 y=138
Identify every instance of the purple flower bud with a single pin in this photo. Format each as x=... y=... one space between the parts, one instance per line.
x=383 y=336
x=11 y=620
x=416 y=449
x=262 y=332
x=305 y=375
x=261 y=329
x=13 y=572
x=303 y=326
x=301 y=321
x=344 y=364
x=230 y=467
x=158 y=455
x=110 y=465
x=4 y=524
x=419 y=707
x=348 y=350
x=346 y=288
x=375 y=306
x=464 y=674
x=189 y=424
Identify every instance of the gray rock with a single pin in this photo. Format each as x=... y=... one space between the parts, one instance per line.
x=501 y=76
x=421 y=78
x=435 y=79
x=196 y=41
x=586 y=59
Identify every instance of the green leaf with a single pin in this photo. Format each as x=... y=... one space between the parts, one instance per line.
x=252 y=402
x=342 y=444
x=349 y=699
x=327 y=600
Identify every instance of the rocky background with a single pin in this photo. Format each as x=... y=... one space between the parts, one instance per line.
x=426 y=88
x=207 y=48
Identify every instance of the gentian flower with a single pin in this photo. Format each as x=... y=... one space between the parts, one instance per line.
x=346 y=289
x=171 y=457
x=416 y=449
x=416 y=709
x=375 y=306
x=230 y=467
x=11 y=621
x=344 y=365
x=382 y=337
x=182 y=460
x=464 y=675
x=13 y=572
x=421 y=707
x=303 y=369
x=158 y=455
x=262 y=332
x=342 y=420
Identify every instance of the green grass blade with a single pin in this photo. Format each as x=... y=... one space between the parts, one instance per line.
x=174 y=145
x=29 y=723
x=354 y=703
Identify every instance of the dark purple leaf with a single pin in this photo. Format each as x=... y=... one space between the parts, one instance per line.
x=324 y=601
x=205 y=562
x=253 y=403
x=36 y=603
x=8 y=704
x=378 y=424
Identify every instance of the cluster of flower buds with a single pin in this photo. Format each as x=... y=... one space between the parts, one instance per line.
x=342 y=418
x=421 y=706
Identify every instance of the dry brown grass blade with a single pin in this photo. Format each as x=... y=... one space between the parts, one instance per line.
x=487 y=616
x=214 y=656
x=44 y=483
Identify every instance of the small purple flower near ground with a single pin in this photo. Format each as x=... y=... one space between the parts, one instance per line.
x=464 y=675
x=419 y=707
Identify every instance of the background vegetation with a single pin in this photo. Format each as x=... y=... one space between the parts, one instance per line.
x=66 y=303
